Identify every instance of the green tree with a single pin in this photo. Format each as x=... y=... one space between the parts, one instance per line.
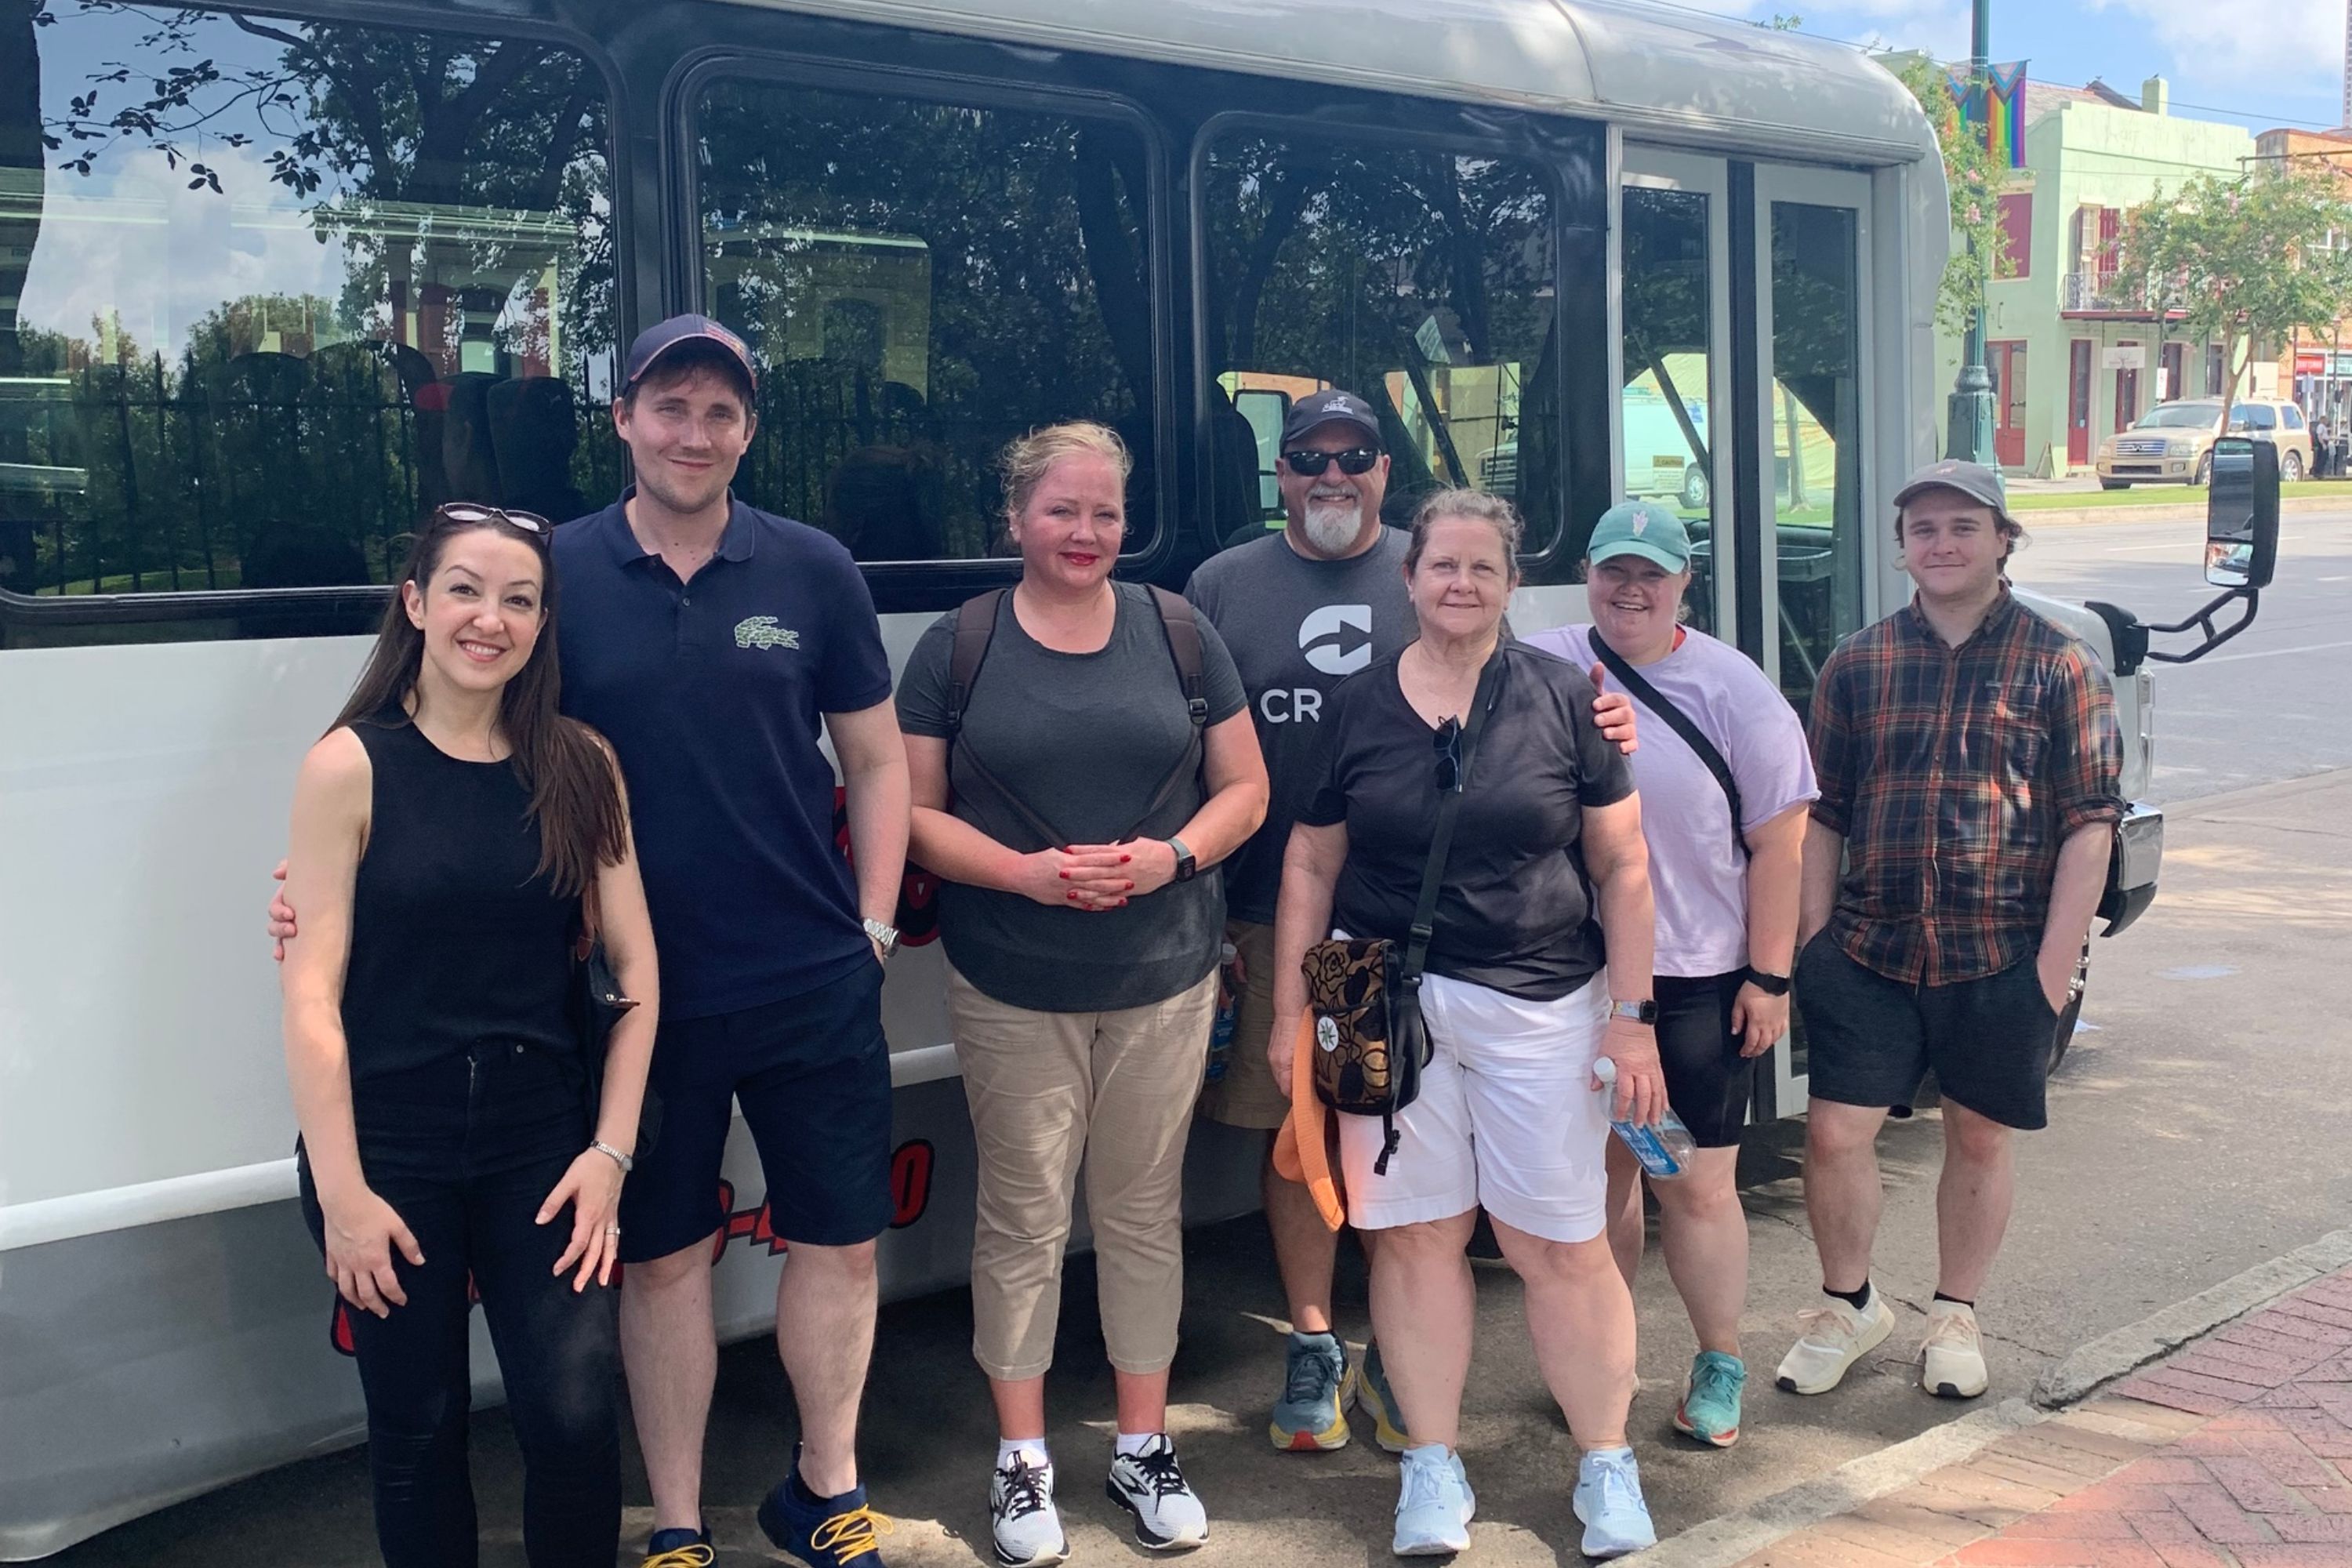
x=1973 y=179
x=2254 y=256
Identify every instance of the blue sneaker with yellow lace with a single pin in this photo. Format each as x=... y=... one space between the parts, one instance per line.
x=679 y=1549
x=823 y=1532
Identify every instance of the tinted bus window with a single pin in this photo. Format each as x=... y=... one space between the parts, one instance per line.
x=281 y=288
x=1421 y=280
x=921 y=282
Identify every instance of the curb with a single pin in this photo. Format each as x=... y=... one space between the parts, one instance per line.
x=1727 y=1538
x=2133 y=1346
x=2163 y=512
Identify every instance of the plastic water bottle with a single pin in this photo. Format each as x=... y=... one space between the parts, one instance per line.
x=1665 y=1150
x=1221 y=1032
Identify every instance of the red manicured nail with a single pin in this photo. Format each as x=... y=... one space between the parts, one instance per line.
x=1063 y=875
x=1124 y=859
x=1130 y=887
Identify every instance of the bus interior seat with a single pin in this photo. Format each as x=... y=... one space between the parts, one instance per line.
x=887 y=503
x=1234 y=513
x=470 y=467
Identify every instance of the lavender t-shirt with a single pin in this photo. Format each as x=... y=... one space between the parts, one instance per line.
x=1697 y=872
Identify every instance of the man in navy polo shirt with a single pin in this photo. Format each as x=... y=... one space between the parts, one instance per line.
x=712 y=642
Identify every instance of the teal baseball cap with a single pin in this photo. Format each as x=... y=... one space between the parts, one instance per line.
x=1642 y=528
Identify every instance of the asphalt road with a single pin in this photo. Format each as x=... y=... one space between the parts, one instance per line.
x=2276 y=702
x=2197 y=1129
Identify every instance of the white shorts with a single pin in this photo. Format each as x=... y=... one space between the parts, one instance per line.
x=1507 y=1119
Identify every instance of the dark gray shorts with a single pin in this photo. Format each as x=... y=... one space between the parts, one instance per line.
x=1871 y=1039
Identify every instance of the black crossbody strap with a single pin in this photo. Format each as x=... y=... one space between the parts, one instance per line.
x=1680 y=723
x=1449 y=807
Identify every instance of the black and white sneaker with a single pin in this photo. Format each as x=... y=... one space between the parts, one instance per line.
x=1022 y=1516
x=1168 y=1514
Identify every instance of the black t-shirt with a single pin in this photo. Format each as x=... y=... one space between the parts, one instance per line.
x=1512 y=910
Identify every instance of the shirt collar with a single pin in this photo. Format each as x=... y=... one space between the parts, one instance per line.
x=735 y=544
x=1996 y=622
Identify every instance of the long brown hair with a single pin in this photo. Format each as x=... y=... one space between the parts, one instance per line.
x=574 y=798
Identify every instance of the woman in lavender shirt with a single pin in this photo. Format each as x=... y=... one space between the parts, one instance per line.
x=1727 y=898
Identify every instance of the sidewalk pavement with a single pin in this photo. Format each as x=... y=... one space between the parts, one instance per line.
x=2236 y=1452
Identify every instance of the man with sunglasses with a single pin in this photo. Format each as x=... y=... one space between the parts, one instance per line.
x=1301 y=610
x=713 y=644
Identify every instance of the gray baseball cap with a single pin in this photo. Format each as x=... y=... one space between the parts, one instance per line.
x=1974 y=481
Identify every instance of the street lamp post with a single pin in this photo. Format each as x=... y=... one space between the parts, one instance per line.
x=1969 y=433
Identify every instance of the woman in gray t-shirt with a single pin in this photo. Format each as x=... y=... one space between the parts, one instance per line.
x=1072 y=801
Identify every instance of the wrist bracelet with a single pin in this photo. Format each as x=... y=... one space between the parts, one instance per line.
x=626 y=1163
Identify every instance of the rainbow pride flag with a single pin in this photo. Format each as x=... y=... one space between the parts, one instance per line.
x=2001 y=115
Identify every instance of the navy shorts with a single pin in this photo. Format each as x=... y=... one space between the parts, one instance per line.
x=1708 y=1082
x=812 y=1075
x=1873 y=1039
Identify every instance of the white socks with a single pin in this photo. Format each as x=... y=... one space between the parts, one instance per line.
x=1133 y=1443
x=1032 y=1449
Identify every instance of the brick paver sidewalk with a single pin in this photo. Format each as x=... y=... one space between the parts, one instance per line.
x=2234 y=1453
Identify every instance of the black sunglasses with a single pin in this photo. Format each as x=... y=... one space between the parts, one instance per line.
x=1447 y=743
x=471 y=512
x=1354 y=461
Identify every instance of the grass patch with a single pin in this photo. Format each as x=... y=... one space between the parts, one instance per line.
x=2159 y=495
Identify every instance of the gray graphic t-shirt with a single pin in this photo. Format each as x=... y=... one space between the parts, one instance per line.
x=1297 y=628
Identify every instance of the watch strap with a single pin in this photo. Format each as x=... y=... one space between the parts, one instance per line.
x=1770 y=984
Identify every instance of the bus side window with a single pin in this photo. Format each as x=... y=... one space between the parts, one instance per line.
x=263 y=368
x=921 y=281
x=1422 y=281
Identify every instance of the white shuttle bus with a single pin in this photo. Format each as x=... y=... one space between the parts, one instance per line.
x=273 y=284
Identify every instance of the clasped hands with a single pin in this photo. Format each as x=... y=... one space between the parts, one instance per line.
x=1096 y=877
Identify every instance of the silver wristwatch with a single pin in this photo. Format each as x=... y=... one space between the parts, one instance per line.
x=885 y=934
x=626 y=1163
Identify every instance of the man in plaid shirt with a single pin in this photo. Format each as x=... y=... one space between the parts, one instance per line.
x=1969 y=762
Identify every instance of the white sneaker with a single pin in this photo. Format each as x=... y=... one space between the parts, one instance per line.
x=1835 y=1336
x=1167 y=1515
x=1434 y=1503
x=1022 y=1515
x=1951 y=1360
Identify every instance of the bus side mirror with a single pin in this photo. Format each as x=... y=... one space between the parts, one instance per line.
x=2242 y=514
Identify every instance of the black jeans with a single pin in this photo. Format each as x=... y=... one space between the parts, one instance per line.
x=465 y=1150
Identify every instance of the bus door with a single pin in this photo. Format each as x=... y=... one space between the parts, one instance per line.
x=1742 y=314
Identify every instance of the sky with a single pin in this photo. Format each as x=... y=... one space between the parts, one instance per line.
x=2280 y=63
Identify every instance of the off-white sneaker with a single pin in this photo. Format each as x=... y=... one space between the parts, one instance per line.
x=1835 y=1336
x=1951 y=1360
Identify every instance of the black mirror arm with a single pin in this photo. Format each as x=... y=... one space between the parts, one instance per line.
x=2202 y=621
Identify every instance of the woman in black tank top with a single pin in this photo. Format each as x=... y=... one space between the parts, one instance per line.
x=445 y=834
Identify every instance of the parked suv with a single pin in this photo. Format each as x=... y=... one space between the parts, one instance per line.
x=2172 y=443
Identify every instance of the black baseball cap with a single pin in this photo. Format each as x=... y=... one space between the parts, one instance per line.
x=663 y=336
x=1332 y=406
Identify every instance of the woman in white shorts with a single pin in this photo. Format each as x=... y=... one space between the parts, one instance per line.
x=1509 y=1116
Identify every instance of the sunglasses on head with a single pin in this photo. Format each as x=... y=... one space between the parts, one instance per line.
x=1310 y=464
x=470 y=513
x=1447 y=743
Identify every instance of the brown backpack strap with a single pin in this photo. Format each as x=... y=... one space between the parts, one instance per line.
x=1182 y=629
x=975 y=625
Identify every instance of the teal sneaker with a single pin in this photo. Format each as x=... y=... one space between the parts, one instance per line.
x=1372 y=1394
x=1710 y=1408
x=1317 y=1386
x=1609 y=1501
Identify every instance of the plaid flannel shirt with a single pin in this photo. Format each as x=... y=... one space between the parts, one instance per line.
x=1955 y=775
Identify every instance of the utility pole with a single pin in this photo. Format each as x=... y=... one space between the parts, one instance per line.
x=1969 y=433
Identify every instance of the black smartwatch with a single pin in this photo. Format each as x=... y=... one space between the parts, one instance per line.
x=1770 y=984
x=1645 y=1011
x=1186 y=866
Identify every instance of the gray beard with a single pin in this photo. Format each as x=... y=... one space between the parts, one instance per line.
x=1332 y=530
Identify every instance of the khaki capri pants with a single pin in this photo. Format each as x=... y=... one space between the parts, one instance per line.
x=1048 y=1090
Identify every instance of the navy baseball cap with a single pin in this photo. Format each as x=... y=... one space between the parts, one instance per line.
x=663 y=336
x=1331 y=407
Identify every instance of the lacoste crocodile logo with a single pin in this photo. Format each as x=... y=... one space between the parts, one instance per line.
x=762 y=631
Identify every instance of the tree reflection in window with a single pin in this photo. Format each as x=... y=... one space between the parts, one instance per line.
x=1422 y=281
x=921 y=282
x=283 y=287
